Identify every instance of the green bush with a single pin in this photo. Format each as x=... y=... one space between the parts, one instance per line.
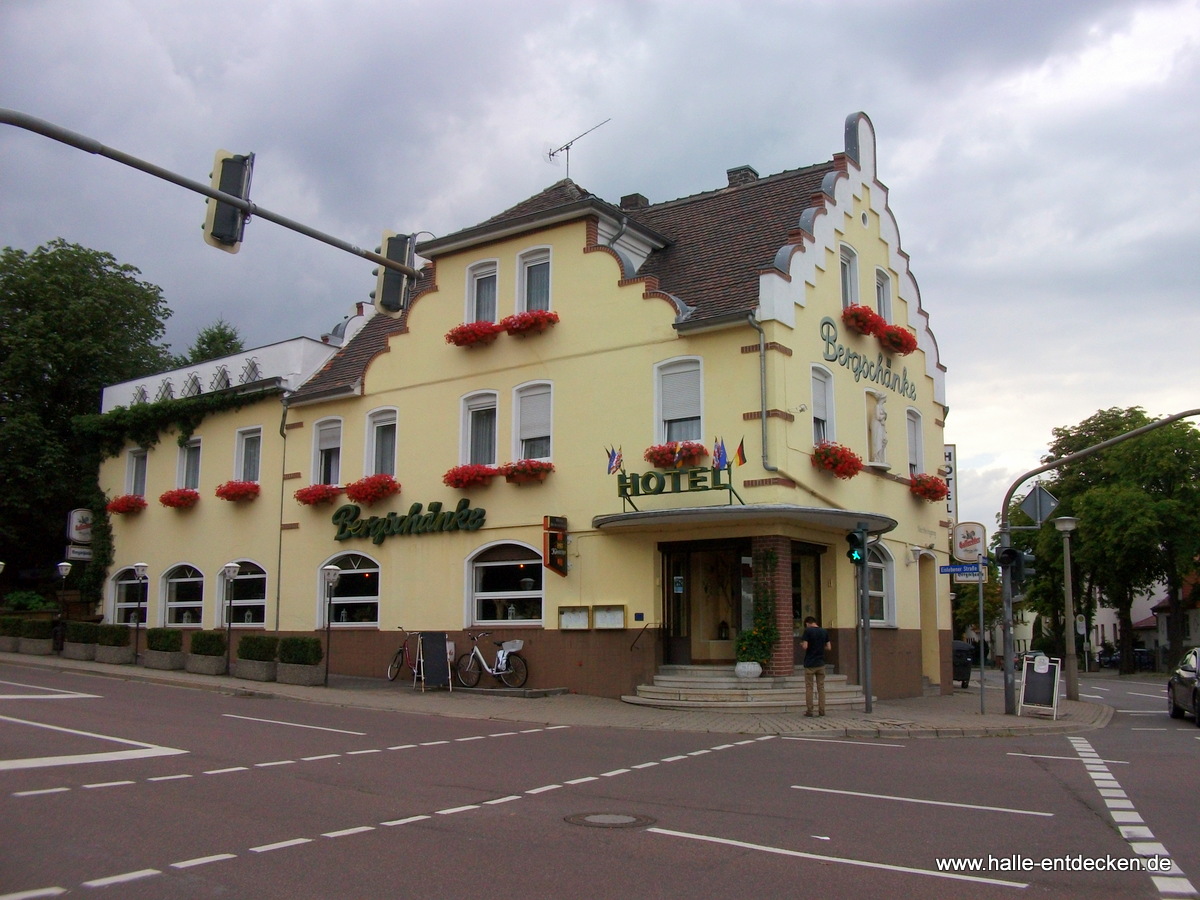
x=208 y=643
x=82 y=632
x=112 y=635
x=28 y=601
x=37 y=629
x=10 y=626
x=165 y=640
x=301 y=651
x=258 y=647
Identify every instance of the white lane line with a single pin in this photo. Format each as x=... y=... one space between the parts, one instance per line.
x=168 y=777
x=645 y=765
x=699 y=752
x=52 y=693
x=123 y=878
x=1158 y=696
x=456 y=809
x=841 y=741
x=405 y=821
x=144 y=751
x=543 y=789
x=1111 y=762
x=1003 y=809
x=507 y=799
x=104 y=784
x=503 y=734
x=293 y=724
x=57 y=790
x=433 y=743
x=862 y=863
x=403 y=747
x=362 y=752
x=321 y=756
x=278 y=762
x=672 y=758
x=346 y=832
x=226 y=771
x=281 y=845
x=203 y=860
x=583 y=780
x=556 y=727
x=35 y=894
x=613 y=772
x=477 y=737
x=530 y=730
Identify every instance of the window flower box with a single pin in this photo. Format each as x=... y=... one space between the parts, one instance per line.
x=236 y=491
x=471 y=334
x=126 y=504
x=316 y=494
x=180 y=498
x=897 y=339
x=372 y=488
x=841 y=461
x=863 y=319
x=675 y=455
x=929 y=487
x=534 y=321
x=526 y=471
x=469 y=476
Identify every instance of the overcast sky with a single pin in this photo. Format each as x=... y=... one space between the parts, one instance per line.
x=1043 y=158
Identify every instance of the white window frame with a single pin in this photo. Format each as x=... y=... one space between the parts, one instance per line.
x=249 y=572
x=174 y=610
x=188 y=474
x=355 y=563
x=916 y=442
x=883 y=295
x=127 y=588
x=477 y=272
x=323 y=446
x=671 y=381
x=471 y=405
x=848 y=269
x=822 y=402
x=248 y=466
x=376 y=420
x=531 y=416
x=528 y=259
x=515 y=597
x=881 y=580
x=136 y=466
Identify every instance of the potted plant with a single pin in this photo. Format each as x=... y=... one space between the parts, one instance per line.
x=676 y=454
x=469 y=476
x=113 y=645
x=10 y=633
x=299 y=661
x=472 y=334
x=126 y=504
x=929 y=487
x=316 y=494
x=238 y=491
x=897 y=339
x=526 y=471
x=37 y=637
x=863 y=319
x=164 y=649
x=79 y=640
x=372 y=488
x=534 y=321
x=179 y=498
x=206 y=654
x=841 y=461
x=756 y=644
x=256 y=657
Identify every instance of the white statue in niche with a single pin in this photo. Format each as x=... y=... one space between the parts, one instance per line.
x=878 y=429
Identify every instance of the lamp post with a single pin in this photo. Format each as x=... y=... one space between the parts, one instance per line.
x=1066 y=524
x=64 y=569
x=139 y=570
x=229 y=570
x=330 y=574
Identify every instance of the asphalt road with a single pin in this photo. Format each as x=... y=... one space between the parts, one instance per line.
x=132 y=790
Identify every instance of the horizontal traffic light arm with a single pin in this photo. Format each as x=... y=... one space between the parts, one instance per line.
x=89 y=145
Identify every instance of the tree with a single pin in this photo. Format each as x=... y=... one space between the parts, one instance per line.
x=71 y=321
x=217 y=340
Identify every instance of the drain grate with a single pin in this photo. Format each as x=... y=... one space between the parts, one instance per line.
x=609 y=820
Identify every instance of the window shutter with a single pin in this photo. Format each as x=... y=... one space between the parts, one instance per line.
x=535 y=413
x=681 y=392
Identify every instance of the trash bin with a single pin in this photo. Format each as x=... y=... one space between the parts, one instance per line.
x=962 y=663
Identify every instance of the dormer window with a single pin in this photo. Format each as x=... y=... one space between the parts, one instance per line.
x=535 y=280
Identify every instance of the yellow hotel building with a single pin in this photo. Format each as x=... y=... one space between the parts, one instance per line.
x=714 y=316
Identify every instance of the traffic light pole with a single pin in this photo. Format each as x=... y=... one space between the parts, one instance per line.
x=88 y=145
x=1010 y=694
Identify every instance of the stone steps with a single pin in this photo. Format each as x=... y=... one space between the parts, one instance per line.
x=717 y=688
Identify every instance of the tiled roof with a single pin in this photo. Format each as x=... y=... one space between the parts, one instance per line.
x=561 y=193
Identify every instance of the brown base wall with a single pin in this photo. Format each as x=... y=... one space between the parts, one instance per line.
x=895 y=661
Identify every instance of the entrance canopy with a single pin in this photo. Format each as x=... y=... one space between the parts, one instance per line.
x=754 y=514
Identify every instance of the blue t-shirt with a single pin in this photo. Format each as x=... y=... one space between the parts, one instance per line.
x=816 y=637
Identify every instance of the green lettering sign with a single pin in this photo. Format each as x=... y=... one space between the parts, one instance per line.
x=350 y=524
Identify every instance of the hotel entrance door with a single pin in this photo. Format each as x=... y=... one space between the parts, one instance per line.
x=705 y=600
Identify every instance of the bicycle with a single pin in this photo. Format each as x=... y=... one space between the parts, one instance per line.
x=509 y=668
x=403 y=658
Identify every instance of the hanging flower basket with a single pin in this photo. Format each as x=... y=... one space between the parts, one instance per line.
x=126 y=504
x=863 y=319
x=316 y=494
x=237 y=491
x=471 y=334
x=469 y=476
x=535 y=321
x=929 y=487
x=841 y=461
x=897 y=339
x=675 y=455
x=180 y=498
x=526 y=471
x=372 y=488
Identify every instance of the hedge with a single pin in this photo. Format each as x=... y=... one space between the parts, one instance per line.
x=208 y=643
x=82 y=632
x=301 y=651
x=112 y=635
x=258 y=647
x=37 y=629
x=165 y=640
x=10 y=626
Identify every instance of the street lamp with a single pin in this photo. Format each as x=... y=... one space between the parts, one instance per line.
x=1066 y=524
x=229 y=570
x=330 y=574
x=64 y=569
x=139 y=570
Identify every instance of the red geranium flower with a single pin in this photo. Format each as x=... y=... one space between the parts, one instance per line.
x=315 y=494
x=468 y=476
x=841 y=461
x=126 y=504
x=535 y=321
x=929 y=487
x=234 y=491
x=372 y=488
x=180 y=498
x=469 y=334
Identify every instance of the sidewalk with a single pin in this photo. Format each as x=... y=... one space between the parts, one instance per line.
x=956 y=715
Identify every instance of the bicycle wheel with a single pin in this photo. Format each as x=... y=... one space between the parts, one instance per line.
x=398 y=662
x=468 y=670
x=516 y=673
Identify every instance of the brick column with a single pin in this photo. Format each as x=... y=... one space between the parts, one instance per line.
x=782 y=659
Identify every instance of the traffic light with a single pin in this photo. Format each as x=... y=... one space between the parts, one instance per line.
x=857 y=552
x=392 y=287
x=224 y=223
x=1019 y=563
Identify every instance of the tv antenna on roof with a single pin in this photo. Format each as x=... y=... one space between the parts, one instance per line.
x=566 y=148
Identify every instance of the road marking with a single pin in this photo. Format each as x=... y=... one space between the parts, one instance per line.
x=321 y=756
x=345 y=832
x=226 y=771
x=281 y=845
x=503 y=734
x=278 y=762
x=293 y=724
x=57 y=790
x=840 y=741
x=1111 y=762
x=583 y=780
x=405 y=821
x=403 y=747
x=862 y=863
x=479 y=737
x=433 y=743
x=203 y=860
x=145 y=751
x=35 y=894
x=168 y=777
x=1003 y=809
x=543 y=789
x=613 y=772
x=362 y=752
x=456 y=809
x=507 y=799
x=1159 y=696
x=1147 y=729
x=673 y=758
x=123 y=878
x=645 y=765
x=104 y=784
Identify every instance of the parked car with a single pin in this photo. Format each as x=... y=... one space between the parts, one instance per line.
x=1183 y=693
x=1143 y=659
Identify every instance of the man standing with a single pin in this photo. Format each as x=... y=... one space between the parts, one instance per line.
x=814 y=642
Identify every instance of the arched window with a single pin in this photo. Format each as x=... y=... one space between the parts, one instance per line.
x=506 y=585
x=880 y=586
x=247 y=599
x=356 y=595
x=132 y=595
x=185 y=596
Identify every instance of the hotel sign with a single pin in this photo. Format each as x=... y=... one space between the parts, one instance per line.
x=350 y=523
x=672 y=481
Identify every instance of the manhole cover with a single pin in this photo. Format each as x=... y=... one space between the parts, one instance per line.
x=610 y=820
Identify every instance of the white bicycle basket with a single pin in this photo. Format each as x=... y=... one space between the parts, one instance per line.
x=512 y=646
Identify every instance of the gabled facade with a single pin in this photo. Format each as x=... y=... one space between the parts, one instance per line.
x=716 y=317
